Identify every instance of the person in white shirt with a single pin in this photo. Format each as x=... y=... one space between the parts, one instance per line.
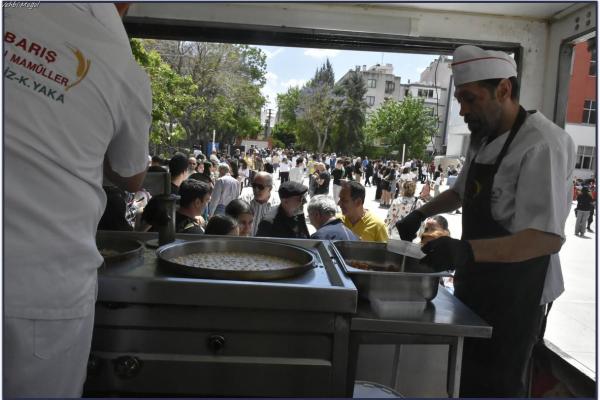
x=226 y=189
x=515 y=190
x=284 y=170
x=423 y=173
x=406 y=175
x=297 y=173
x=276 y=162
x=262 y=199
x=79 y=126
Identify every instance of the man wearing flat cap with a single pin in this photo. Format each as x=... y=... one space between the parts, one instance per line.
x=514 y=190
x=287 y=220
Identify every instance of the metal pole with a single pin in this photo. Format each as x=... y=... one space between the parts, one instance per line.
x=403 y=150
x=213 y=141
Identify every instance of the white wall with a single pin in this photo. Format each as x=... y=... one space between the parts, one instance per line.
x=583 y=135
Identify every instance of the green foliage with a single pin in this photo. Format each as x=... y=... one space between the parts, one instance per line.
x=277 y=143
x=227 y=79
x=323 y=75
x=284 y=132
x=318 y=108
x=349 y=132
x=287 y=104
x=321 y=115
x=374 y=152
x=408 y=122
x=287 y=129
x=171 y=94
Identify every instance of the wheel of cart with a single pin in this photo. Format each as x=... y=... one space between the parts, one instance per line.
x=373 y=390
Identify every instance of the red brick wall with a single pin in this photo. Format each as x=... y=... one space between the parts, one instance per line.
x=582 y=86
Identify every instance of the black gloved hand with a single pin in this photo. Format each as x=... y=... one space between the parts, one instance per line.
x=409 y=225
x=446 y=253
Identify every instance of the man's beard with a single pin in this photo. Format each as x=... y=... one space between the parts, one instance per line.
x=483 y=129
x=477 y=137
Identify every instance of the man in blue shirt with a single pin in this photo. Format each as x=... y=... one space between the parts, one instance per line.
x=321 y=212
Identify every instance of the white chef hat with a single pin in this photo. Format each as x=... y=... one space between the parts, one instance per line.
x=471 y=64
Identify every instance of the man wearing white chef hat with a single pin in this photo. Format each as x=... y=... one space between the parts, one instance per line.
x=514 y=190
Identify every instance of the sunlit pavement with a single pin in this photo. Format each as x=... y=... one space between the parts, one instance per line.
x=571 y=325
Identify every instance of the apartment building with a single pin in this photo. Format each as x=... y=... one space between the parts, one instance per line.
x=381 y=82
x=382 y=85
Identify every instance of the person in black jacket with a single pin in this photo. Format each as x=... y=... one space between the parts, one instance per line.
x=585 y=204
x=287 y=220
x=368 y=173
x=348 y=170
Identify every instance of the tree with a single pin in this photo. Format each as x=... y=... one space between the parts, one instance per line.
x=350 y=125
x=284 y=133
x=171 y=95
x=286 y=129
x=317 y=110
x=408 y=122
x=228 y=79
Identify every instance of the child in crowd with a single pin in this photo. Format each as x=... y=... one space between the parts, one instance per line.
x=222 y=224
x=241 y=211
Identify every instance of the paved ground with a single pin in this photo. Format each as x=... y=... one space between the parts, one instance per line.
x=572 y=322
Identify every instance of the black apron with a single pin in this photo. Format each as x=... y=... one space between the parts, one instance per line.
x=505 y=295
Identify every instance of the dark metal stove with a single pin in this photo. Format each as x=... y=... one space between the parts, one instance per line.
x=159 y=335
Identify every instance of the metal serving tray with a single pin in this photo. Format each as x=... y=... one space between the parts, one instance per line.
x=417 y=282
x=304 y=259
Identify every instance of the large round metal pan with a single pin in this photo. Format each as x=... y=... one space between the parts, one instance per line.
x=118 y=251
x=303 y=258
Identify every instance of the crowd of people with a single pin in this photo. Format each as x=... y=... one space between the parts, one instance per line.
x=50 y=293
x=213 y=198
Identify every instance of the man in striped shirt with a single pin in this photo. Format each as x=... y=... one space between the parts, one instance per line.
x=262 y=199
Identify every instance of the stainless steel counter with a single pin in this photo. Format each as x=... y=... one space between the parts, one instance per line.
x=445 y=315
x=156 y=334
x=444 y=320
x=324 y=288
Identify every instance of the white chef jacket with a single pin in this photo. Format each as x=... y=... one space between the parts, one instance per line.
x=73 y=92
x=532 y=188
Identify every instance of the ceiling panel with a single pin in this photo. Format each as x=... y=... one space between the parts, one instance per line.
x=529 y=10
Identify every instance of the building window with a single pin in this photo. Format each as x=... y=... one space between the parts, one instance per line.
x=371 y=83
x=589 y=112
x=427 y=93
x=406 y=92
x=593 y=63
x=370 y=101
x=390 y=86
x=585 y=157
